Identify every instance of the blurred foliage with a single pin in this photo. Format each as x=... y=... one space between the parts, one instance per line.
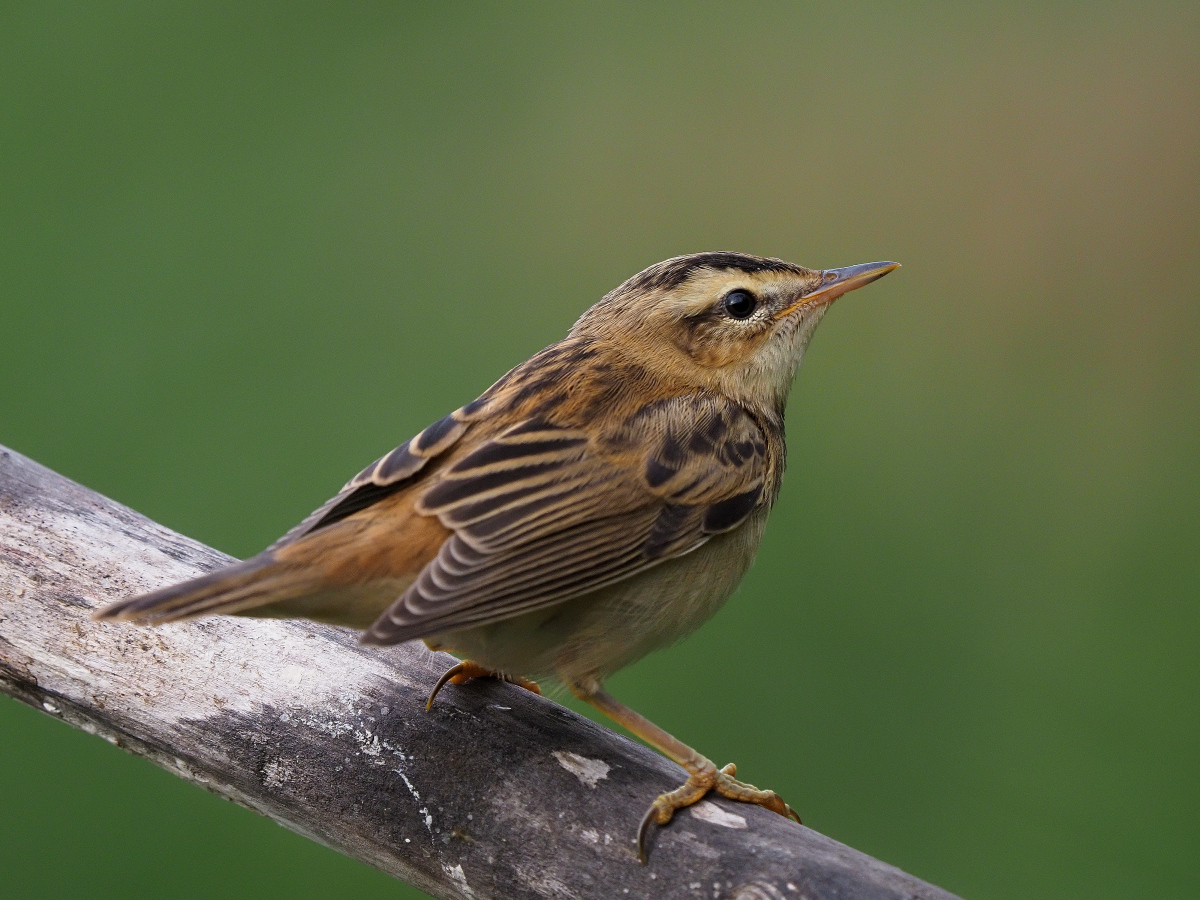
x=246 y=248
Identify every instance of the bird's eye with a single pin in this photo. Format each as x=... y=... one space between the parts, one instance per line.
x=740 y=304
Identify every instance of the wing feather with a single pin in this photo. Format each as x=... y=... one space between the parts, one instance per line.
x=386 y=476
x=543 y=513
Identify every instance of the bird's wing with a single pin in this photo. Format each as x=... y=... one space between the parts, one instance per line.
x=309 y=560
x=384 y=477
x=542 y=513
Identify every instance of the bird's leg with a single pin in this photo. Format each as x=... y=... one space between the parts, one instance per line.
x=703 y=775
x=467 y=670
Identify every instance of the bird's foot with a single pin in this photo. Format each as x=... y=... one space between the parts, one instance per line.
x=702 y=778
x=728 y=786
x=467 y=670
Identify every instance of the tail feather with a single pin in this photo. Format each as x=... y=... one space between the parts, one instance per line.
x=233 y=589
x=347 y=574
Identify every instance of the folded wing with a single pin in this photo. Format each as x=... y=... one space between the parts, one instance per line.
x=543 y=513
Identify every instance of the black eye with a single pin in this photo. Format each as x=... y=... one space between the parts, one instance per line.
x=740 y=304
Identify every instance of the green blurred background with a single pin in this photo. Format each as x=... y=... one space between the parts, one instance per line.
x=246 y=248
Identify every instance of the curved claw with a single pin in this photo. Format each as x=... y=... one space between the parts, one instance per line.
x=441 y=683
x=662 y=810
x=708 y=777
x=643 y=829
x=467 y=670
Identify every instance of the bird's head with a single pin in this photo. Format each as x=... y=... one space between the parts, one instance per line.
x=728 y=322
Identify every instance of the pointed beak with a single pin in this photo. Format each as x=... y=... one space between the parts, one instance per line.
x=835 y=282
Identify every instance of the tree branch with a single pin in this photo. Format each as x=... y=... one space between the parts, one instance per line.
x=495 y=793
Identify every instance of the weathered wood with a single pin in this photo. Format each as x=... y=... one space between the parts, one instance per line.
x=496 y=793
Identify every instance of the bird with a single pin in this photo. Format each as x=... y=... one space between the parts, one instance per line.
x=600 y=501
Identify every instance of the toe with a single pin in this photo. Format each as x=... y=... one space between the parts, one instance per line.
x=728 y=786
x=531 y=686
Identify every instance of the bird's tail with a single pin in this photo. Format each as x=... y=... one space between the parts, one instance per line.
x=231 y=590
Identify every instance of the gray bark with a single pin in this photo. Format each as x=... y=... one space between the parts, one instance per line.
x=495 y=793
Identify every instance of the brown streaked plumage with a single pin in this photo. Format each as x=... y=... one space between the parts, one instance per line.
x=598 y=502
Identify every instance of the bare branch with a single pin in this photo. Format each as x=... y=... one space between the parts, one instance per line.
x=496 y=793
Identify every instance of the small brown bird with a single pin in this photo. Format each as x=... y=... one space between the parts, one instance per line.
x=598 y=502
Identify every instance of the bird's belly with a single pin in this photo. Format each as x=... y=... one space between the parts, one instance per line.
x=599 y=633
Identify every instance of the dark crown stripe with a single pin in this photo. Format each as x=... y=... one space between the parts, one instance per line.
x=674 y=272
